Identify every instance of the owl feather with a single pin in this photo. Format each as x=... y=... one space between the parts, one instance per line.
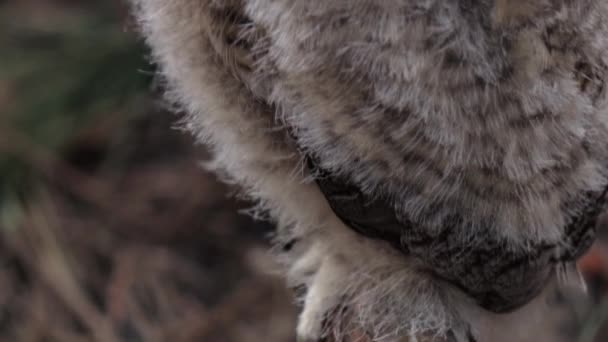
x=430 y=164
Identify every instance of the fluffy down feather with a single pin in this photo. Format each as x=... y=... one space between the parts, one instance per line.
x=483 y=121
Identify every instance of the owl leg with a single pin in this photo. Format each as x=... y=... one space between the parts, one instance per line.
x=323 y=295
x=306 y=266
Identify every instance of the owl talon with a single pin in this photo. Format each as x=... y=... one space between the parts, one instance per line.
x=323 y=296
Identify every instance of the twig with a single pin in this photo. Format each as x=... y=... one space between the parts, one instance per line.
x=51 y=264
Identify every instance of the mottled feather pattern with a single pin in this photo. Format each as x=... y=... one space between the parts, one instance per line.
x=497 y=154
x=467 y=138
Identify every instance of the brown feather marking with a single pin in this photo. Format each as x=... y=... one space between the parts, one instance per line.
x=513 y=12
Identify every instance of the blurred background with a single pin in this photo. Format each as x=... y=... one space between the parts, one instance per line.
x=109 y=228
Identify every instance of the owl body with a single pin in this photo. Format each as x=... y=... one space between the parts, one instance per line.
x=433 y=161
x=446 y=111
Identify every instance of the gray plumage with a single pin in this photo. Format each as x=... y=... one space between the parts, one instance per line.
x=463 y=141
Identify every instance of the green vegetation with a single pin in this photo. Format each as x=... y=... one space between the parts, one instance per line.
x=62 y=73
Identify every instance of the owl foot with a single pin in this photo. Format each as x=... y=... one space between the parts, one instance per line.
x=323 y=295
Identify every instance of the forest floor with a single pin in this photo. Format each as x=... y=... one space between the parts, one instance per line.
x=110 y=230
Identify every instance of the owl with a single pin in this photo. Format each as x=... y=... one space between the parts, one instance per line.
x=434 y=167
